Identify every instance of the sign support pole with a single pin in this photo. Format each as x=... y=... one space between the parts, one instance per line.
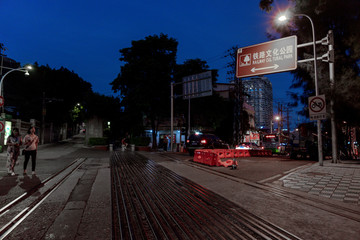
x=172 y=117
x=332 y=112
x=189 y=130
x=320 y=150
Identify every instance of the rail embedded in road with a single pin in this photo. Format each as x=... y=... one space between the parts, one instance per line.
x=150 y=201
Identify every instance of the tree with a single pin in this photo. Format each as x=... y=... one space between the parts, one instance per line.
x=63 y=88
x=59 y=91
x=144 y=80
x=341 y=17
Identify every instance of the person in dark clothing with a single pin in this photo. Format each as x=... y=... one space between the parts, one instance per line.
x=31 y=144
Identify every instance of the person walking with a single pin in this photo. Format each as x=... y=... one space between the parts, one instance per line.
x=165 y=142
x=13 y=150
x=31 y=143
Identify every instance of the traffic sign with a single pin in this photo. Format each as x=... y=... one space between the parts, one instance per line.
x=270 y=57
x=197 y=85
x=2 y=126
x=317 y=107
x=1 y=101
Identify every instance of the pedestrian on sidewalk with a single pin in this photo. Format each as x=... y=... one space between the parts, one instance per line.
x=124 y=144
x=165 y=142
x=31 y=143
x=13 y=150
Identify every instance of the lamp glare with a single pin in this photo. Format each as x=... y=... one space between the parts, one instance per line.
x=282 y=18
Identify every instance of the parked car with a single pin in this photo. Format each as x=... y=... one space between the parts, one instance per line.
x=249 y=146
x=204 y=141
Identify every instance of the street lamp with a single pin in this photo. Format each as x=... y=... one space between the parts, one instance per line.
x=278 y=119
x=21 y=69
x=285 y=17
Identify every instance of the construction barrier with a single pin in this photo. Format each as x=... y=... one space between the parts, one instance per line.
x=226 y=157
x=198 y=156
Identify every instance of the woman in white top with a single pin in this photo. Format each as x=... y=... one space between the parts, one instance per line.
x=31 y=143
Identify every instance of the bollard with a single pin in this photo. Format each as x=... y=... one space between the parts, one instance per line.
x=132 y=147
x=111 y=147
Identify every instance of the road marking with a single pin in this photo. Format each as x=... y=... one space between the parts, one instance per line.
x=264 y=68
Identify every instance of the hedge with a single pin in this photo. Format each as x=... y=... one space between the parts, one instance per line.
x=98 y=141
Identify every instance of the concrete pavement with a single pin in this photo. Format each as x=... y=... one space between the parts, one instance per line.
x=87 y=194
x=340 y=182
x=80 y=208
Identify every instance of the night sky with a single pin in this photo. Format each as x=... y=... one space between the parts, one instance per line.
x=85 y=36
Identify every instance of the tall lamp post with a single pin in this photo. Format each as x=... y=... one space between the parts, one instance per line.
x=21 y=69
x=284 y=18
x=278 y=119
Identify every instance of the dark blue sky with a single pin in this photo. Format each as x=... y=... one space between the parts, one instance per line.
x=85 y=36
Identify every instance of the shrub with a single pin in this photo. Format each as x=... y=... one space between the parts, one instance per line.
x=140 y=141
x=98 y=141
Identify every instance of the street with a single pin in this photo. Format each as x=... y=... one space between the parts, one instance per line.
x=70 y=197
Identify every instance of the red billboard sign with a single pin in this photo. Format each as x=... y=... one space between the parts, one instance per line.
x=270 y=57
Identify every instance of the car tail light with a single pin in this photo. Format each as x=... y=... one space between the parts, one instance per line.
x=203 y=141
x=188 y=141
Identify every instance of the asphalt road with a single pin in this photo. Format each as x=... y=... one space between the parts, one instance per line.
x=255 y=169
x=254 y=185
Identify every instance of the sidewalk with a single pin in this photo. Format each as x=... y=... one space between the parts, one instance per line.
x=80 y=208
x=339 y=182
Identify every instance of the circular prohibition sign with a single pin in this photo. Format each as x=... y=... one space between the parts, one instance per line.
x=317 y=104
x=2 y=126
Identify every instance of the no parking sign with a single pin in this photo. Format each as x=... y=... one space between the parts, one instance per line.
x=317 y=107
x=2 y=126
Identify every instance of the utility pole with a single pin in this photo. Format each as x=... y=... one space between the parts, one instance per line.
x=331 y=59
x=43 y=114
x=43 y=119
x=2 y=49
x=238 y=94
x=279 y=126
x=288 y=120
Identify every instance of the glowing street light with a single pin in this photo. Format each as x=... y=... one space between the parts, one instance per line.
x=284 y=17
x=21 y=69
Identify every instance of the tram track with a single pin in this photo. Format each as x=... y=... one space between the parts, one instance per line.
x=307 y=199
x=152 y=202
x=30 y=202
